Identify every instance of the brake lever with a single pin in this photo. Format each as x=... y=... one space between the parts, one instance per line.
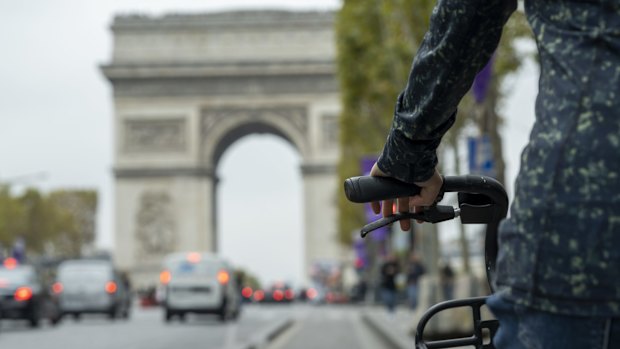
x=432 y=214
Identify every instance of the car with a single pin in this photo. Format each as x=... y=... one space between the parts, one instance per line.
x=279 y=293
x=22 y=294
x=148 y=297
x=91 y=286
x=199 y=282
x=247 y=293
x=336 y=297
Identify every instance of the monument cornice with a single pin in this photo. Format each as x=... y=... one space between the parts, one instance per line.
x=318 y=169
x=217 y=69
x=146 y=172
x=235 y=19
x=225 y=85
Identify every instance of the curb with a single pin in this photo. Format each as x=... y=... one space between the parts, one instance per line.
x=387 y=334
x=263 y=338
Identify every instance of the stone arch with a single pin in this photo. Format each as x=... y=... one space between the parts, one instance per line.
x=224 y=126
x=185 y=88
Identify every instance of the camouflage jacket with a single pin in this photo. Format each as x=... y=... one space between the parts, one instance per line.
x=560 y=248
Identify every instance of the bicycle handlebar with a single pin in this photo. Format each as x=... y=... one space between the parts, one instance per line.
x=482 y=200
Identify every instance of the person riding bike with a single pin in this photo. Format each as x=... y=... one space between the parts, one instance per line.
x=558 y=270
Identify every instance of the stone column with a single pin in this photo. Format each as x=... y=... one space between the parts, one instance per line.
x=320 y=208
x=159 y=212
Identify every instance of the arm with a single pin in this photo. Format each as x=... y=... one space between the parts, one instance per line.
x=461 y=38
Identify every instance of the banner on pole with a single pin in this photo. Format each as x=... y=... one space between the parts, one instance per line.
x=481 y=156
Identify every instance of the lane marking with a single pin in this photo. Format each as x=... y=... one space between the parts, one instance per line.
x=285 y=338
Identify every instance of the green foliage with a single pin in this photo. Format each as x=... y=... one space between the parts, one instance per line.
x=76 y=212
x=247 y=279
x=12 y=217
x=376 y=41
x=59 y=223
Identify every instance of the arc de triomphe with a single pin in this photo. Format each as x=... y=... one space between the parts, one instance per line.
x=186 y=87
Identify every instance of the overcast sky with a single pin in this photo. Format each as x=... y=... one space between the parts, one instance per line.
x=56 y=118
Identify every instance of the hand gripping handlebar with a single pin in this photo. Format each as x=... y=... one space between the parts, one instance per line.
x=482 y=200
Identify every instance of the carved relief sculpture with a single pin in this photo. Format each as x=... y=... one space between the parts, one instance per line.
x=155 y=232
x=166 y=135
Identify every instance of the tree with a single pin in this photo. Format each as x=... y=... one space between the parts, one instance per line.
x=376 y=41
x=36 y=227
x=11 y=218
x=61 y=223
x=75 y=221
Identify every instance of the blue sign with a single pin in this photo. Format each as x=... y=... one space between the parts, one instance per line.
x=481 y=156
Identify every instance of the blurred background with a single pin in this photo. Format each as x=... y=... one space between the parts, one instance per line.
x=162 y=158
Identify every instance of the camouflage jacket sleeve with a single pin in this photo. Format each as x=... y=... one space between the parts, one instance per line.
x=462 y=36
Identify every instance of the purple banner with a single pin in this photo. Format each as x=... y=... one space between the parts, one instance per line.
x=380 y=234
x=360 y=252
x=482 y=82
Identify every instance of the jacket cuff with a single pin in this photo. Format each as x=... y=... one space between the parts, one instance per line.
x=406 y=161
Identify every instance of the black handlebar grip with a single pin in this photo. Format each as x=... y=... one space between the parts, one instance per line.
x=368 y=189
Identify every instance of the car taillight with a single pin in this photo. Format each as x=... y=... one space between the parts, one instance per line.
x=10 y=263
x=259 y=295
x=288 y=294
x=110 y=287
x=329 y=297
x=311 y=293
x=23 y=294
x=223 y=277
x=278 y=295
x=246 y=292
x=57 y=288
x=165 y=277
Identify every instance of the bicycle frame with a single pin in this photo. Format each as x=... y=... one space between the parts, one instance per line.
x=482 y=200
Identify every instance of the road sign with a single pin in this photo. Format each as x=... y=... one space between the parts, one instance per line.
x=481 y=156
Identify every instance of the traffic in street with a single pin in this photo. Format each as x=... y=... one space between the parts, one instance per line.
x=294 y=326
x=145 y=328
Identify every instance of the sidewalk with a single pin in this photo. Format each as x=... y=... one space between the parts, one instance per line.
x=394 y=328
x=398 y=329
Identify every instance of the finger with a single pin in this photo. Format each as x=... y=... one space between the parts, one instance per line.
x=387 y=207
x=416 y=209
x=376 y=207
x=403 y=206
x=424 y=199
x=405 y=224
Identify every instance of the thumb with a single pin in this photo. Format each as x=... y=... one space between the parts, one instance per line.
x=425 y=198
x=417 y=201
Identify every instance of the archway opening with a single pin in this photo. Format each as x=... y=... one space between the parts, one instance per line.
x=259 y=207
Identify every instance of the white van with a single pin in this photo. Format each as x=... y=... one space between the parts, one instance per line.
x=195 y=282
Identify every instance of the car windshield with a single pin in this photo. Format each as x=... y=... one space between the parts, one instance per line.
x=84 y=274
x=15 y=276
x=184 y=267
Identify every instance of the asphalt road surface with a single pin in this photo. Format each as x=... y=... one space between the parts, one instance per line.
x=325 y=327
x=322 y=327
x=144 y=330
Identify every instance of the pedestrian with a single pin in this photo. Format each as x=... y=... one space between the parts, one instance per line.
x=389 y=270
x=558 y=276
x=446 y=279
x=415 y=269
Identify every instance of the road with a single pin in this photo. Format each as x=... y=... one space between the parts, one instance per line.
x=337 y=327
x=313 y=327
